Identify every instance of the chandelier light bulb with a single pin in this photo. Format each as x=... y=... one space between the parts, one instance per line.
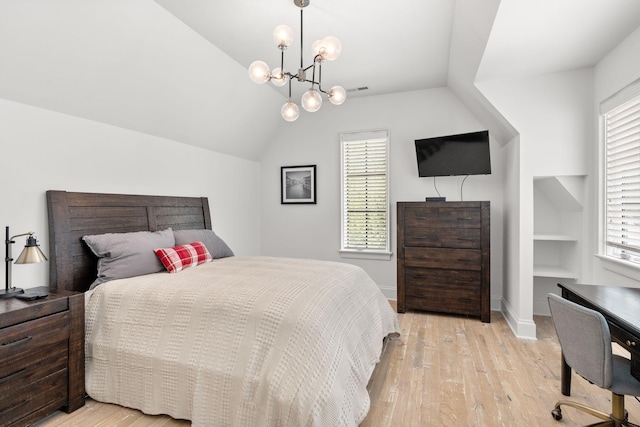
x=337 y=95
x=311 y=101
x=278 y=78
x=329 y=48
x=290 y=111
x=283 y=36
x=259 y=72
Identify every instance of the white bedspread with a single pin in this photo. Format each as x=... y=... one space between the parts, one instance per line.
x=240 y=341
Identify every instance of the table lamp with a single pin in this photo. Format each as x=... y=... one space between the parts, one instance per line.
x=30 y=254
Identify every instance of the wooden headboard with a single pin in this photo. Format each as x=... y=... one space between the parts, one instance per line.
x=72 y=266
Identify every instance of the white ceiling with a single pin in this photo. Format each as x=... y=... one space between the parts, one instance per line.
x=384 y=47
x=393 y=47
x=545 y=36
x=177 y=68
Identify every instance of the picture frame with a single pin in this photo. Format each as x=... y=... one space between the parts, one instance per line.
x=298 y=185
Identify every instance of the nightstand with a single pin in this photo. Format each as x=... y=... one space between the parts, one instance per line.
x=41 y=356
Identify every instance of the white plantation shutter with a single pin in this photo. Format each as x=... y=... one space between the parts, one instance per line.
x=365 y=195
x=622 y=178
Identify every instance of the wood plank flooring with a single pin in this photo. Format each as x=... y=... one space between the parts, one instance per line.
x=441 y=371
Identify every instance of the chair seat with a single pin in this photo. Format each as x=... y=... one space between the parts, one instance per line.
x=622 y=382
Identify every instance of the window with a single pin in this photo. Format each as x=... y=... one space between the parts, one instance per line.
x=365 y=194
x=621 y=133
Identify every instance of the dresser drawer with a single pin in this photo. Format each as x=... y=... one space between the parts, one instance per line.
x=448 y=291
x=443 y=258
x=19 y=342
x=48 y=391
x=442 y=217
x=436 y=279
x=463 y=238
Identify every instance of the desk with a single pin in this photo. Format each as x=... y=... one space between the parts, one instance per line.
x=621 y=308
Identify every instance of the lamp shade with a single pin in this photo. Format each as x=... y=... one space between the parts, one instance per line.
x=31 y=252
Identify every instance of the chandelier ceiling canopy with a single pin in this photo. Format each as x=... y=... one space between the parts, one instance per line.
x=326 y=49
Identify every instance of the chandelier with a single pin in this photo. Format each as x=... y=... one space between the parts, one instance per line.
x=327 y=49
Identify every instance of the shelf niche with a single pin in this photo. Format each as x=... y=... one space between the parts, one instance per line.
x=557 y=224
x=558 y=203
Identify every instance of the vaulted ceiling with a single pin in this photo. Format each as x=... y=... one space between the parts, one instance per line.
x=178 y=69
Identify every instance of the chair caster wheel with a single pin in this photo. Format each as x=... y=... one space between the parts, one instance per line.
x=556 y=414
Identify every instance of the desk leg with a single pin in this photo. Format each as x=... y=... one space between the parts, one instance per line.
x=565 y=375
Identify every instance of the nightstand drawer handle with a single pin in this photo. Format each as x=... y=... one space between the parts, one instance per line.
x=14 y=343
x=631 y=343
x=465 y=218
x=8 y=377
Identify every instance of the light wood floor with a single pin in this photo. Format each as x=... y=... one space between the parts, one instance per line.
x=442 y=371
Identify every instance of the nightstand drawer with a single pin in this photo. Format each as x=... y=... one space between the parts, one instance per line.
x=45 y=392
x=33 y=367
x=18 y=342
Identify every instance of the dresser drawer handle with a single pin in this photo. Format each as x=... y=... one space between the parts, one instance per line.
x=465 y=218
x=9 y=377
x=17 y=342
x=631 y=343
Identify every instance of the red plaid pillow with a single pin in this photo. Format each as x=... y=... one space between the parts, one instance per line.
x=183 y=256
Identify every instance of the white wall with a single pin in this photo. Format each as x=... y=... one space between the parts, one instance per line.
x=134 y=65
x=313 y=231
x=552 y=113
x=615 y=71
x=43 y=150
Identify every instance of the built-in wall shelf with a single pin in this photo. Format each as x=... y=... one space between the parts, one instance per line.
x=554 y=238
x=558 y=203
x=553 y=271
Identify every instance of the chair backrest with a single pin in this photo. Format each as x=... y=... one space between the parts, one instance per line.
x=585 y=340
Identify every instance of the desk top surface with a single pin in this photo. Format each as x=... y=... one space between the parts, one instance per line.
x=619 y=303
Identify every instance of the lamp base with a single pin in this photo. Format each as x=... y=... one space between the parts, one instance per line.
x=10 y=293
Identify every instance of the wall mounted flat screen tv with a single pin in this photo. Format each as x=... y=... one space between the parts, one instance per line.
x=463 y=154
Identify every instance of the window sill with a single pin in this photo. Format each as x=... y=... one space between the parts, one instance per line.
x=379 y=255
x=620 y=266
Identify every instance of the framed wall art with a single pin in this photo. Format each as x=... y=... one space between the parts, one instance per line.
x=298 y=184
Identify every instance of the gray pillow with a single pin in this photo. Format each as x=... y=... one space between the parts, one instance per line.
x=215 y=245
x=122 y=255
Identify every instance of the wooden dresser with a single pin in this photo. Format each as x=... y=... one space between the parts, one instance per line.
x=444 y=258
x=41 y=356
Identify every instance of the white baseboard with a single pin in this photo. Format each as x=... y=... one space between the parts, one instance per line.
x=525 y=329
x=389 y=293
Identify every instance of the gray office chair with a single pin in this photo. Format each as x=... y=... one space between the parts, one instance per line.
x=586 y=345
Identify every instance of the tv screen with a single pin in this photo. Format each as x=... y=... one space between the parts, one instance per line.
x=463 y=154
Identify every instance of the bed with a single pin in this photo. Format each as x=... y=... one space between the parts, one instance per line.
x=238 y=341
